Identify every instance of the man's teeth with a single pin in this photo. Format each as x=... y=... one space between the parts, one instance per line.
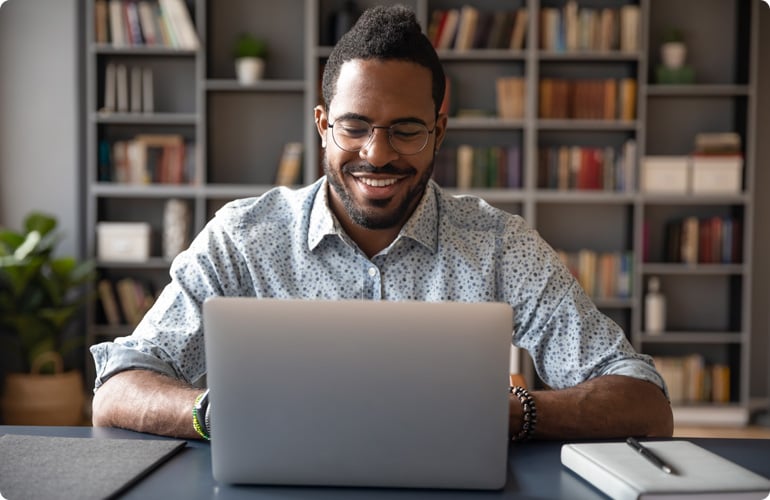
x=377 y=182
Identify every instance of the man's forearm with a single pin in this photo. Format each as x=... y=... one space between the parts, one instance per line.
x=146 y=401
x=605 y=407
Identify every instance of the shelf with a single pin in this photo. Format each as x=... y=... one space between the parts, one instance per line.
x=692 y=338
x=151 y=263
x=592 y=56
x=697 y=90
x=108 y=189
x=691 y=269
x=695 y=199
x=140 y=50
x=483 y=123
x=599 y=125
x=482 y=55
x=144 y=118
x=584 y=196
x=232 y=85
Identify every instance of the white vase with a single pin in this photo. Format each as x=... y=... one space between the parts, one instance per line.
x=249 y=69
x=673 y=54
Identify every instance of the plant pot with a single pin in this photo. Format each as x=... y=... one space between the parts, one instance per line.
x=249 y=69
x=34 y=399
x=673 y=54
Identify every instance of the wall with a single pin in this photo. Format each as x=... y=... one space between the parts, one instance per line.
x=40 y=128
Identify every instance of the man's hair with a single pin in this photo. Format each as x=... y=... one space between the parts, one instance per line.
x=385 y=33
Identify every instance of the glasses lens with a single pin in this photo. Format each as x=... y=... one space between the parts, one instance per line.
x=351 y=135
x=408 y=137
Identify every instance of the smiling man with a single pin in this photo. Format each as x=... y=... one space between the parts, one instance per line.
x=377 y=227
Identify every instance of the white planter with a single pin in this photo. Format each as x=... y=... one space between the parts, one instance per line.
x=249 y=69
x=673 y=54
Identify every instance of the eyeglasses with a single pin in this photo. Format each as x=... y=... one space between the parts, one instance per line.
x=406 y=138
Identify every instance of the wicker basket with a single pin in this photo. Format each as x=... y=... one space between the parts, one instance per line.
x=35 y=399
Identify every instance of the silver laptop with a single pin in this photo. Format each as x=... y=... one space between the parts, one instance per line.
x=358 y=393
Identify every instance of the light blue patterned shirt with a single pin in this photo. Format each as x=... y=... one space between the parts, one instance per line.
x=287 y=243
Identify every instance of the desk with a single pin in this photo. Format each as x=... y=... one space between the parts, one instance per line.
x=534 y=471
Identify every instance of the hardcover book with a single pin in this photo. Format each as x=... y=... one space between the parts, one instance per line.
x=620 y=472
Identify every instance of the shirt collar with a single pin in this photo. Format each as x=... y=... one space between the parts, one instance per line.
x=422 y=226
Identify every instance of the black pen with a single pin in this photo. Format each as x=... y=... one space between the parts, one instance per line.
x=650 y=456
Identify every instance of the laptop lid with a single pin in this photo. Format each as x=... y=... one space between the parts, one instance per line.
x=358 y=393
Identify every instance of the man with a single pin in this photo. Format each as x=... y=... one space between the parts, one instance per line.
x=376 y=227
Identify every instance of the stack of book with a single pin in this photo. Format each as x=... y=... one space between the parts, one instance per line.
x=704 y=240
x=468 y=167
x=467 y=28
x=571 y=29
x=605 y=99
x=603 y=275
x=165 y=23
x=147 y=159
x=691 y=380
x=593 y=168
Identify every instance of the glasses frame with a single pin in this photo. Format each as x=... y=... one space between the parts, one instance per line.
x=388 y=129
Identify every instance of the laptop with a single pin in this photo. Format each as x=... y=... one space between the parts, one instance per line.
x=358 y=393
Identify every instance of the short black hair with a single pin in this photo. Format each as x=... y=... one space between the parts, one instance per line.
x=385 y=33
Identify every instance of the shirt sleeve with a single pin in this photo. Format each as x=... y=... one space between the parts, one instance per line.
x=169 y=339
x=569 y=339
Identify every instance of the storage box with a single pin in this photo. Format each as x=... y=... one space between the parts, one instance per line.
x=717 y=174
x=123 y=241
x=665 y=174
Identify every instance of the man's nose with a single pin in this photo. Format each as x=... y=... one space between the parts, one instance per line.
x=378 y=151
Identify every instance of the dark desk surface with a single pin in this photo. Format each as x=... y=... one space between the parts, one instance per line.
x=534 y=471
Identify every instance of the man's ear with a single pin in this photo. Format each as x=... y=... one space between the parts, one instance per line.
x=441 y=124
x=321 y=123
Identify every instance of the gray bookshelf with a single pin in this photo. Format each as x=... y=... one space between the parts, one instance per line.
x=239 y=132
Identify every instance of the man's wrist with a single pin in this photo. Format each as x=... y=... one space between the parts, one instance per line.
x=528 y=414
x=202 y=415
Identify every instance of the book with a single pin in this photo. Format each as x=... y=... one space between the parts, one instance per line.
x=620 y=472
x=290 y=166
x=109 y=302
x=101 y=20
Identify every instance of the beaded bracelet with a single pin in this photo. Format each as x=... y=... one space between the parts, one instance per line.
x=199 y=423
x=529 y=414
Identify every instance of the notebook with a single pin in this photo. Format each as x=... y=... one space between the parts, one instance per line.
x=623 y=474
x=358 y=393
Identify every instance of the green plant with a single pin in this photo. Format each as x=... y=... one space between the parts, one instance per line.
x=247 y=45
x=40 y=294
x=673 y=35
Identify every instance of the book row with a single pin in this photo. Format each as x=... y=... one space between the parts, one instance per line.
x=146 y=159
x=125 y=301
x=704 y=240
x=587 y=99
x=128 y=89
x=595 y=168
x=603 y=275
x=466 y=167
x=468 y=28
x=690 y=379
x=165 y=23
x=573 y=28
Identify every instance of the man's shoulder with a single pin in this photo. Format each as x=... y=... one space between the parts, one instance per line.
x=279 y=204
x=475 y=213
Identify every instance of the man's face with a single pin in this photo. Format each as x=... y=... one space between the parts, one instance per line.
x=377 y=187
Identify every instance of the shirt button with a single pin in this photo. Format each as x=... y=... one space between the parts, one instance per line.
x=372 y=272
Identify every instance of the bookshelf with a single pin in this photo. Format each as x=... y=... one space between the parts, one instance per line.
x=238 y=134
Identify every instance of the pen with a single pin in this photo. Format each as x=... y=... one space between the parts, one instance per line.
x=649 y=455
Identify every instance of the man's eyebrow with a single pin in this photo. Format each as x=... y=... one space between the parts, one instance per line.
x=356 y=116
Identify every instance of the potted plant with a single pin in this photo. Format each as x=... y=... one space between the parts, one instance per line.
x=673 y=51
x=40 y=296
x=250 y=53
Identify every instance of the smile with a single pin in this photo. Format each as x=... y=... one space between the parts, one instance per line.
x=377 y=182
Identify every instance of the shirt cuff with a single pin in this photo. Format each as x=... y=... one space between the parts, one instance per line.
x=111 y=358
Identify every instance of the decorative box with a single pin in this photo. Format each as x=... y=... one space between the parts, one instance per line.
x=717 y=174
x=123 y=241
x=665 y=174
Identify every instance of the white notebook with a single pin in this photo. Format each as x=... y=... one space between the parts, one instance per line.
x=623 y=474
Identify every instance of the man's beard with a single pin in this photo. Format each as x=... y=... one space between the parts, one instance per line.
x=368 y=217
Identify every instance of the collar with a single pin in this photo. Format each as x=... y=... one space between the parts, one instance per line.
x=421 y=227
